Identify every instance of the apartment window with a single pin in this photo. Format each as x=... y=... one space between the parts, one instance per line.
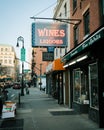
x=10 y=61
x=76 y=35
x=102 y=11
x=86 y=23
x=1 y=62
x=1 y=49
x=65 y=9
x=60 y=50
x=5 y=61
x=74 y=4
x=6 y=49
x=103 y=7
x=60 y=15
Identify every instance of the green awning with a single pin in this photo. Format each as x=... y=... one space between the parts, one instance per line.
x=85 y=44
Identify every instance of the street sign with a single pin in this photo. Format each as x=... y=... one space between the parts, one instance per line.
x=26 y=70
x=22 y=54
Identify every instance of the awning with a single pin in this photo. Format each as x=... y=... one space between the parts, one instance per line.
x=57 y=65
x=85 y=44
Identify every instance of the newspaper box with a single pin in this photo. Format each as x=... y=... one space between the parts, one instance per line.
x=9 y=109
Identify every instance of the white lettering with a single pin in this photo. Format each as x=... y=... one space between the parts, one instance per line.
x=73 y=53
x=94 y=39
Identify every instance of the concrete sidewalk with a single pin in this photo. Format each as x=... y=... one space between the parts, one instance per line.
x=38 y=111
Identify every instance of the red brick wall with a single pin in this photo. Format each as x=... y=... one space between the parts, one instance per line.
x=82 y=7
x=38 y=60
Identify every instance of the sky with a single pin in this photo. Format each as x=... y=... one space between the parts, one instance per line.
x=15 y=20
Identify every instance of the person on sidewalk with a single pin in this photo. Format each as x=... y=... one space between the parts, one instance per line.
x=27 y=89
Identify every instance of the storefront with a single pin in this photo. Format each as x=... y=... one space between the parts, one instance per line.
x=86 y=66
x=54 y=80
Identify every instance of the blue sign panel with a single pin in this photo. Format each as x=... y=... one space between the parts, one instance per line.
x=50 y=49
x=49 y=34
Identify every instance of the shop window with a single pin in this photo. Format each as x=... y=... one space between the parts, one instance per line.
x=93 y=85
x=80 y=87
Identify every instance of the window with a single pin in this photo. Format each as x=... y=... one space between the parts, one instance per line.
x=80 y=89
x=86 y=23
x=76 y=85
x=102 y=11
x=93 y=85
x=56 y=52
x=10 y=61
x=103 y=7
x=5 y=61
x=1 y=49
x=6 y=49
x=1 y=61
x=60 y=15
x=74 y=4
x=65 y=9
x=76 y=35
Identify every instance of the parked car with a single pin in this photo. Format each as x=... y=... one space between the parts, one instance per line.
x=16 y=85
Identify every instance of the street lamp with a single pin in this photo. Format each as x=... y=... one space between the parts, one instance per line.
x=40 y=76
x=21 y=39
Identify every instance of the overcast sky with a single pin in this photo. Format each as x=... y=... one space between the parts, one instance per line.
x=15 y=19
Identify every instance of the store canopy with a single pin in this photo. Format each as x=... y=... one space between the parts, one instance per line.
x=85 y=44
x=57 y=65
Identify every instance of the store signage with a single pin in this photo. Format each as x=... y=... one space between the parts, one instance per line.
x=49 y=34
x=48 y=56
x=50 y=49
x=91 y=40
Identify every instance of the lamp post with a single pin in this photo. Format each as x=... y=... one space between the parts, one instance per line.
x=21 y=39
x=40 y=76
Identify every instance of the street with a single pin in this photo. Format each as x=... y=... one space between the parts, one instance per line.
x=39 y=111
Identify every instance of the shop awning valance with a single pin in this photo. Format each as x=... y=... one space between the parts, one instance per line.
x=85 y=44
x=57 y=65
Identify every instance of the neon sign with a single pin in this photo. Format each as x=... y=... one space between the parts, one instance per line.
x=49 y=34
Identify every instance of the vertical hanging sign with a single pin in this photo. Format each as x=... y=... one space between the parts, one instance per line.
x=23 y=54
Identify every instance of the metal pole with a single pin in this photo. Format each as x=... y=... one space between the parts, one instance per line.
x=40 y=75
x=22 y=82
x=22 y=87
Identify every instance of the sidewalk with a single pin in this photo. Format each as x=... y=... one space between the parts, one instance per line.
x=38 y=111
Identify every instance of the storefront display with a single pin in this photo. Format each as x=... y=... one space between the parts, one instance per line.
x=93 y=85
x=80 y=92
